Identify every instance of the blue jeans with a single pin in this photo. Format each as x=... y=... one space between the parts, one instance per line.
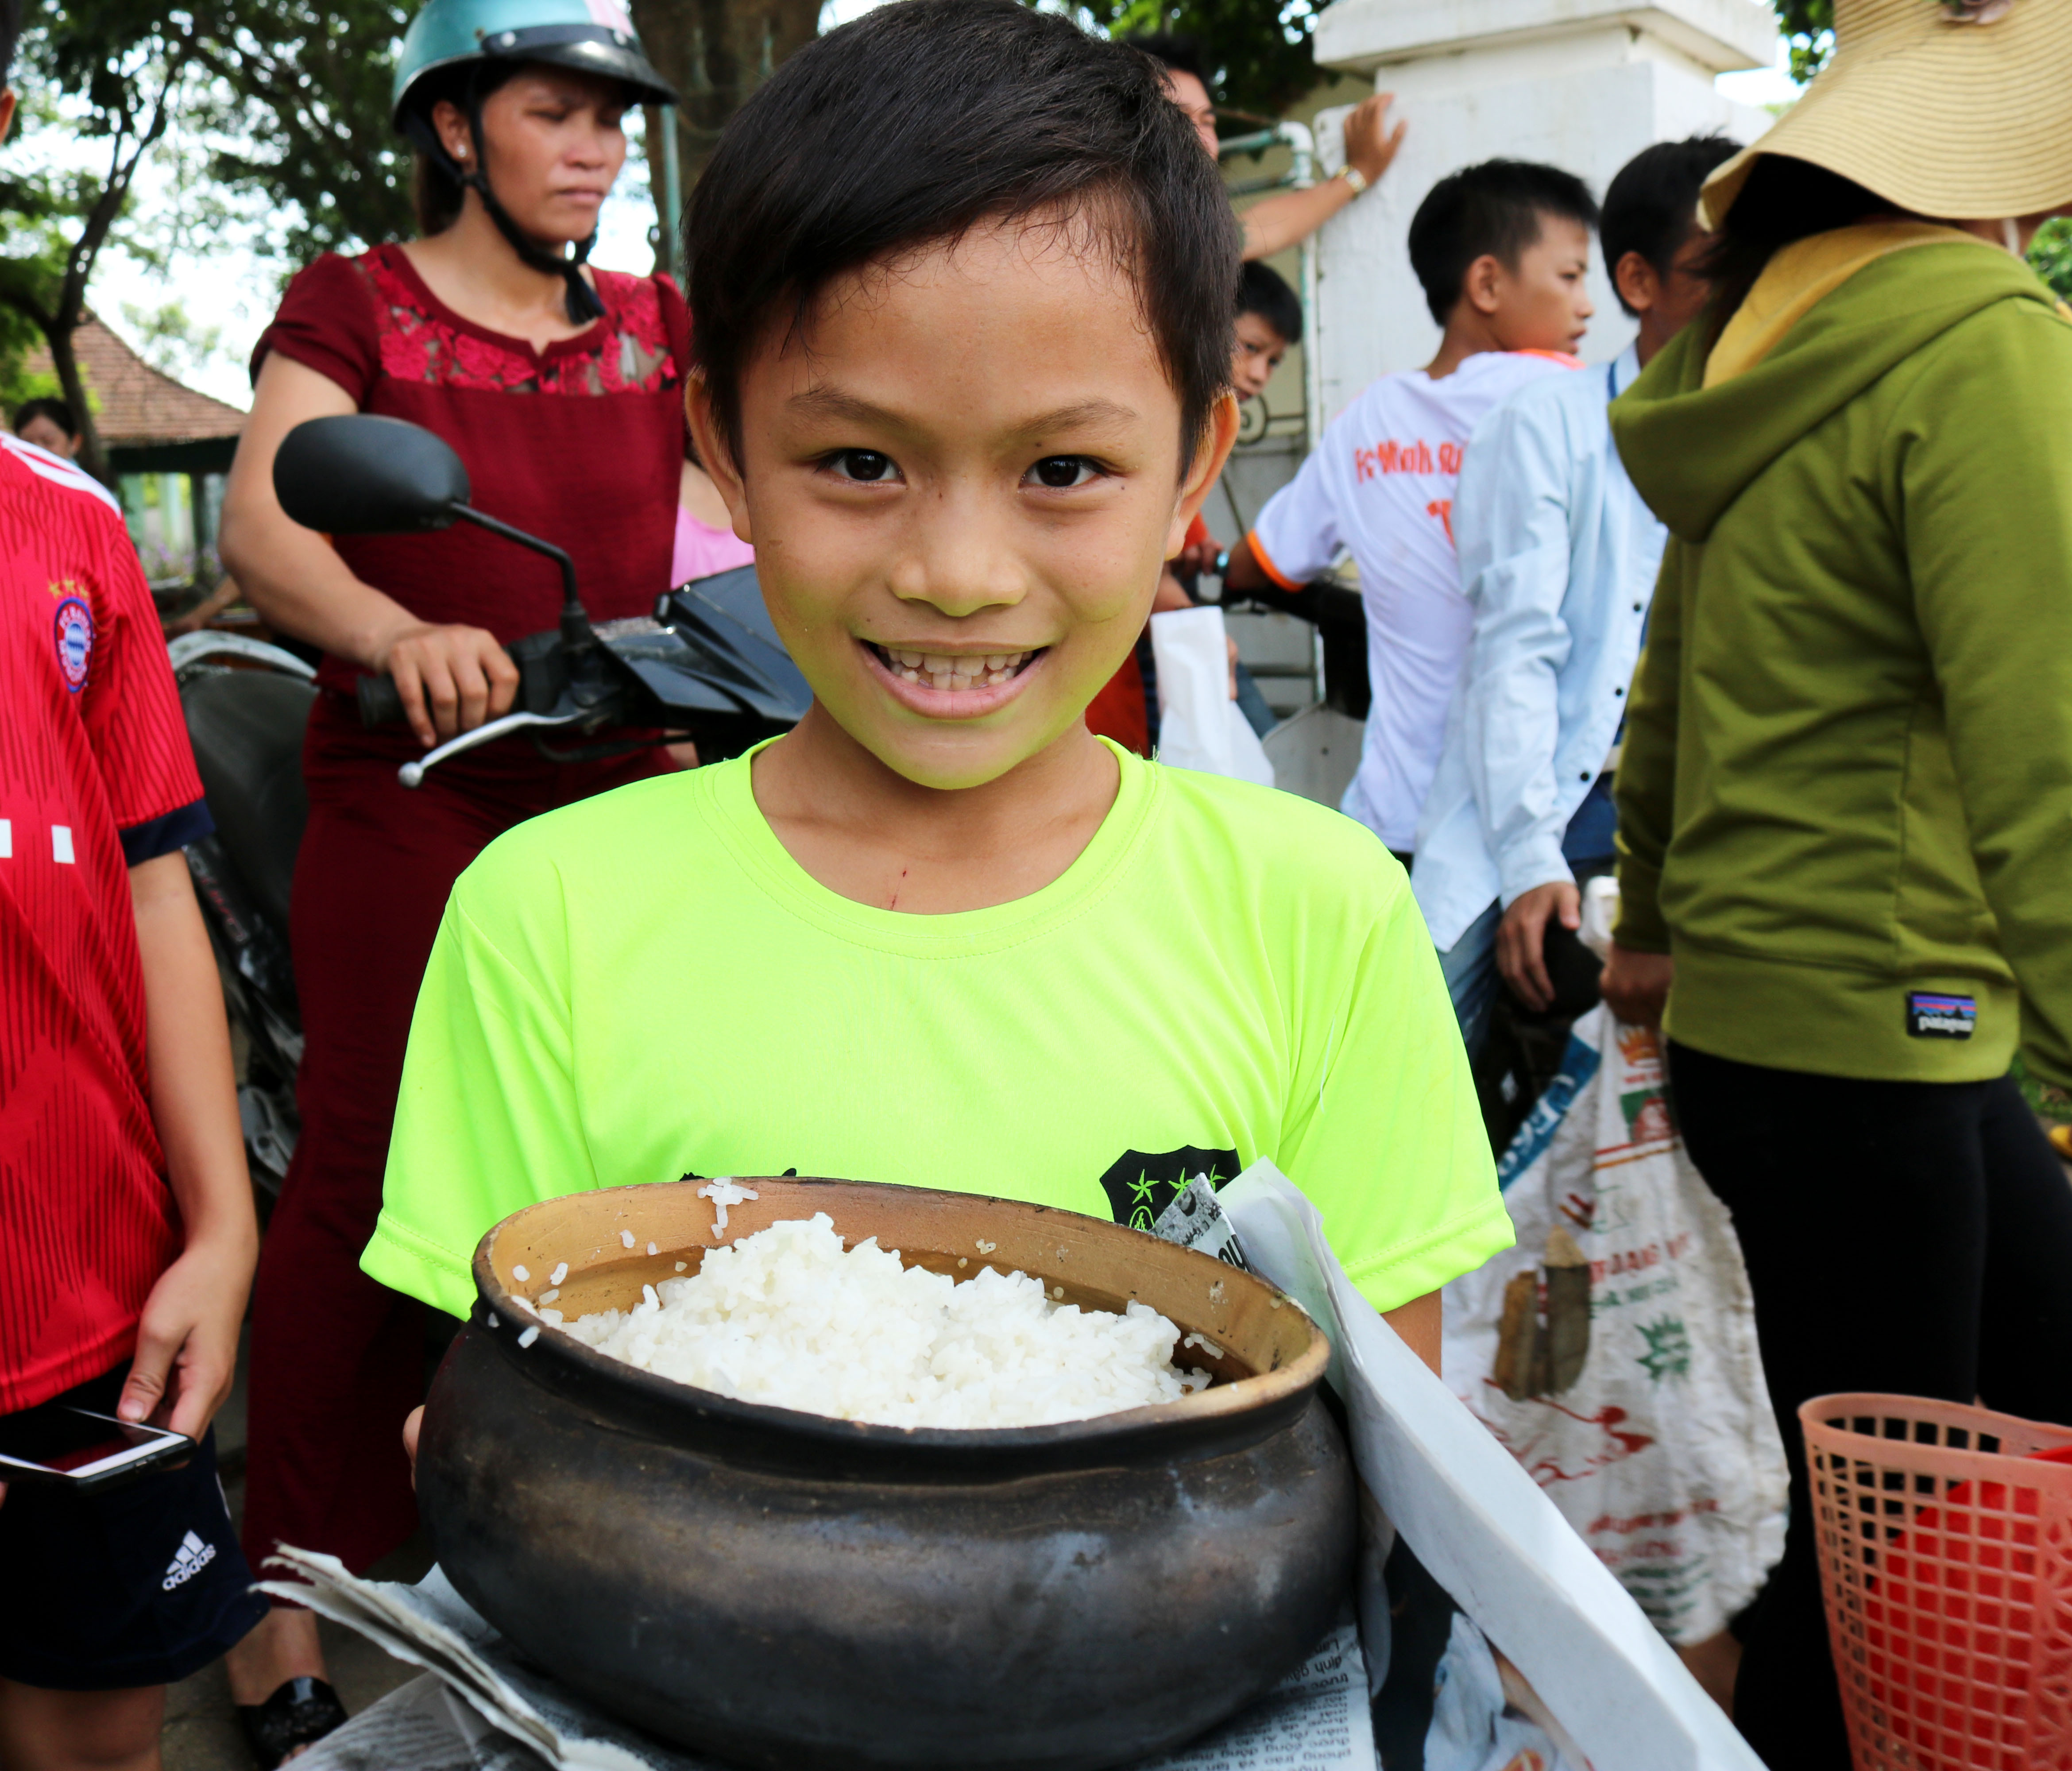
x=1470 y=969
x=1251 y=702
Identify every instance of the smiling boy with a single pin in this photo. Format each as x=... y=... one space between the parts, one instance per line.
x=962 y=279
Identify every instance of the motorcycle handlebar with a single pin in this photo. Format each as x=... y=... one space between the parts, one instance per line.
x=380 y=702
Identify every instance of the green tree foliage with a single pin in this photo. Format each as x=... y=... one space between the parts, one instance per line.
x=170 y=338
x=17 y=381
x=1258 y=51
x=308 y=130
x=275 y=112
x=1808 y=27
x=31 y=256
x=2051 y=254
x=115 y=74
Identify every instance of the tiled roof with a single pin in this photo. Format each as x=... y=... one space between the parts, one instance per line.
x=135 y=404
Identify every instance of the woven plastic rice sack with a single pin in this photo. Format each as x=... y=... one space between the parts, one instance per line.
x=1641 y=1412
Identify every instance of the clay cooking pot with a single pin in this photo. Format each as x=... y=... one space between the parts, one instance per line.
x=787 y=1590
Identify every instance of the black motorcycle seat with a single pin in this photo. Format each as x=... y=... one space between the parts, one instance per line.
x=246 y=727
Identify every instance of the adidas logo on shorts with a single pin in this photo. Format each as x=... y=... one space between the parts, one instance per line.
x=194 y=1555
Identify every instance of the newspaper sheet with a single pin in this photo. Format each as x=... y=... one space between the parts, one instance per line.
x=507 y=1715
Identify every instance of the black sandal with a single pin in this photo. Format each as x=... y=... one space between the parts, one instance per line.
x=298 y=1714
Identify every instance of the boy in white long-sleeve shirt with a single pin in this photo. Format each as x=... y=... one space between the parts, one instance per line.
x=1558 y=558
x=1502 y=251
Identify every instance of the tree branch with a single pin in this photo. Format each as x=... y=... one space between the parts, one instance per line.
x=85 y=251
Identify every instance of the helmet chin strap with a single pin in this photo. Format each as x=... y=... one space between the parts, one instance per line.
x=581 y=299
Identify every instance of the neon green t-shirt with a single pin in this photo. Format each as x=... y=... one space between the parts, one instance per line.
x=646 y=985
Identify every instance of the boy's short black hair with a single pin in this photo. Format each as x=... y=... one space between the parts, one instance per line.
x=927 y=118
x=1264 y=291
x=1496 y=209
x=11 y=32
x=1651 y=208
x=59 y=411
x=1171 y=49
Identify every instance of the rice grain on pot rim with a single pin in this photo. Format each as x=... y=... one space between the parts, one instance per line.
x=789 y=1318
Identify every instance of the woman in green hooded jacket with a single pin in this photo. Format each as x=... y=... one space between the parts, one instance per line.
x=1845 y=796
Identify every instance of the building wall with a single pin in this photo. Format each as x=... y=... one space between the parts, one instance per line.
x=1588 y=99
x=1374 y=319
x=1584 y=85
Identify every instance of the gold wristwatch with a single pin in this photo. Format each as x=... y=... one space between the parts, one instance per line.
x=1354 y=177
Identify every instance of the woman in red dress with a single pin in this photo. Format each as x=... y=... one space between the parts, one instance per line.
x=561 y=387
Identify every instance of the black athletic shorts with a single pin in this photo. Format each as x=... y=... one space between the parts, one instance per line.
x=141 y=1585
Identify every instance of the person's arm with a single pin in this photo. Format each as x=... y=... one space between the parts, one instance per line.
x=1511 y=523
x=1297 y=535
x=451 y=678
x=1274 y=223
x=1420 y=1323
x=1635 y=984
x=1982 y=477
x=1171 y=594
x=1199 y=556
x=211 y=605
x=187 y=1340
x=1244 y=573
x=1639 y=970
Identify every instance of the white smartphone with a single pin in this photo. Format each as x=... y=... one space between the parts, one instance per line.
x=82 y=1449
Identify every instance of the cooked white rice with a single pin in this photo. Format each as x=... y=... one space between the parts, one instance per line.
x=786 y=1316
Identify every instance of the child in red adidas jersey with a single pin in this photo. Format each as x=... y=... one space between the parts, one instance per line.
x=126 y=1232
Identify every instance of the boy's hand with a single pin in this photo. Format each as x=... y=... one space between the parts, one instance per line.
x=1521 y=940
x=1636 y=985
x=1371 y=145
x=187 y=1340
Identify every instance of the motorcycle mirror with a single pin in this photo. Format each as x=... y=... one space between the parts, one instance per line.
x=355 y=474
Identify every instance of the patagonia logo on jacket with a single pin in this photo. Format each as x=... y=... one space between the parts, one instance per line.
x=1930 y=1016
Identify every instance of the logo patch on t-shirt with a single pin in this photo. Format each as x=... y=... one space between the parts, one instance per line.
x=1140 y=1187
x=72 y=630
x=1931 y=1015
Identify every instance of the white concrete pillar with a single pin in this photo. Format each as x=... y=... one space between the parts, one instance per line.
x=1584 y=85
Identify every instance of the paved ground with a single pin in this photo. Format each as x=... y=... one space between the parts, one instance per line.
x=201 y=1727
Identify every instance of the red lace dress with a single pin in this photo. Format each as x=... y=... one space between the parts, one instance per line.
x=582 y=444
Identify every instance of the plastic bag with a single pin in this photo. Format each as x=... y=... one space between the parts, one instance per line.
x=1199 y=725
x=1475 y=1725
x=1643 y=1414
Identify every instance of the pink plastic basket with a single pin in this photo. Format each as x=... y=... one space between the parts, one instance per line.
x=1945 y=1538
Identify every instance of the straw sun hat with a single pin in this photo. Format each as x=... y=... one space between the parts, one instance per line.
x=1959 y=110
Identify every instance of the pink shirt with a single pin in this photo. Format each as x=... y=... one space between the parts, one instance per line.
x=700 y=551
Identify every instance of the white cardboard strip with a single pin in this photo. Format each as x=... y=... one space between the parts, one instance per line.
x=1481 y=1524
